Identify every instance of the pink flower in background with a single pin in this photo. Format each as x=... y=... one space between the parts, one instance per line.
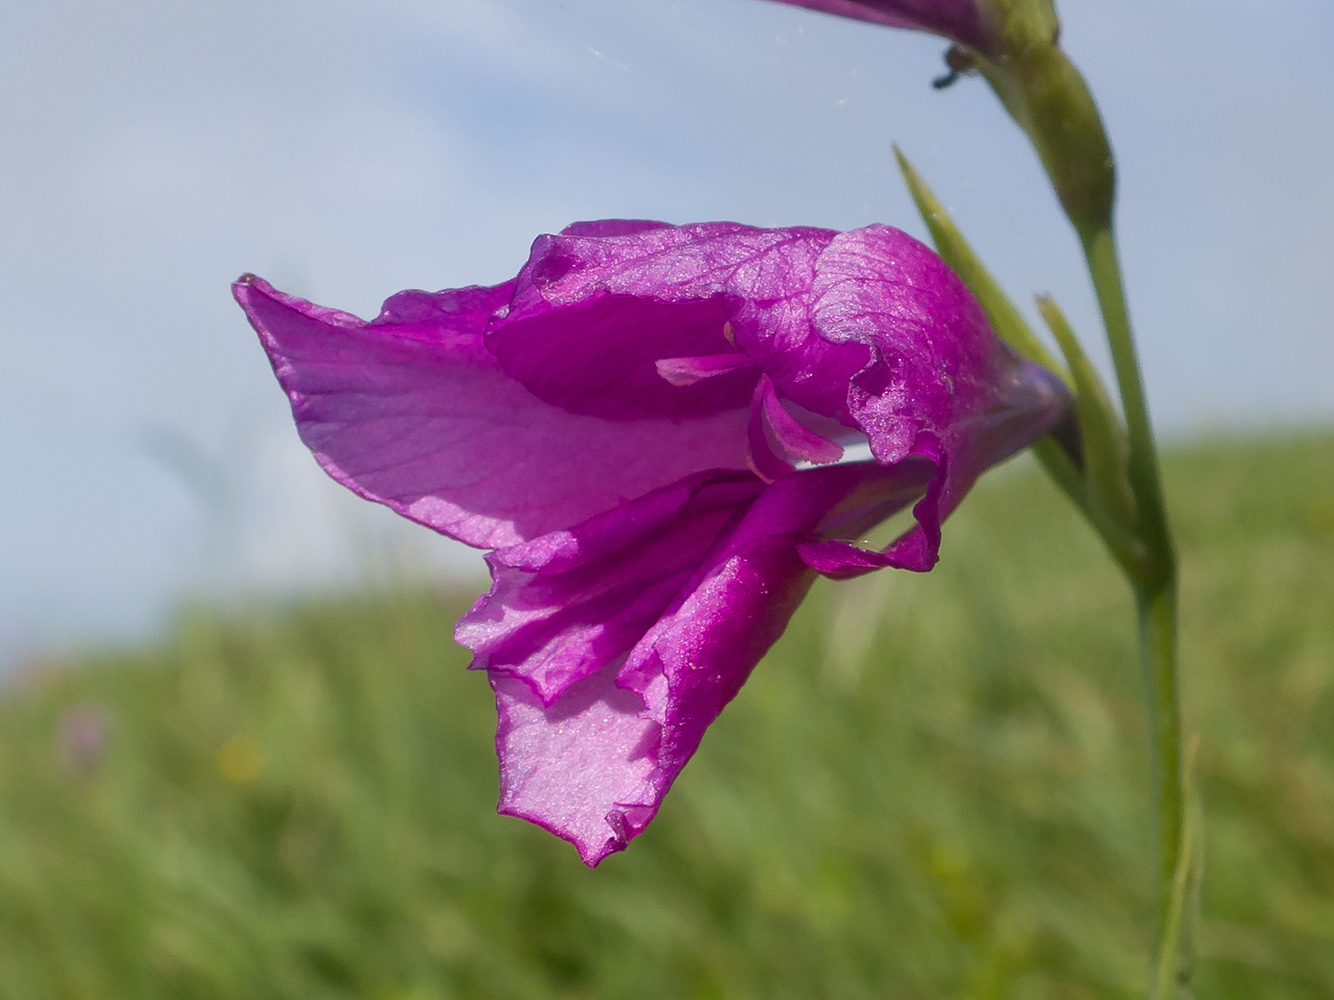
x=651 y=428
x=84 y=733
x=962 y=20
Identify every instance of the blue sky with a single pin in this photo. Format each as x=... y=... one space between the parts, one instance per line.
x=350 y=148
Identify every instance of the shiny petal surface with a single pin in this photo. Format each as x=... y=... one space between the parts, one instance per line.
x=575 y=767
x=593 y=315
x=412 y=411
x=564 y=605
x=695 y=659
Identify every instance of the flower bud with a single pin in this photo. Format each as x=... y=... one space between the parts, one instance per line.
x=1048 y=98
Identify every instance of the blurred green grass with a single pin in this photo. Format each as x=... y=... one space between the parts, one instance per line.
x=935 y=786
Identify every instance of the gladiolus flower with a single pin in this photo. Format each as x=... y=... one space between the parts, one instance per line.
x=650 y=427
x=962 y=20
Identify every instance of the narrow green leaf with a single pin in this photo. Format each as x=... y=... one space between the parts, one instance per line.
x=1061 y=467
x=1005 y=318
x=1100 y=432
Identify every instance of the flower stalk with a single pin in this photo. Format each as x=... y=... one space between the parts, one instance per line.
x=1158 y=645
x=1048 y=98
x=1156 y=603
x=1117 y=484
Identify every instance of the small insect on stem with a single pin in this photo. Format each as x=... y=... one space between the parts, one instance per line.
x=959 y=61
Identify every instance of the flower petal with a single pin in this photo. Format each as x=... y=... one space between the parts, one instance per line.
x=567 y=767
x=593 y=764
x=599 y=356
x=916 y=549
x=593 y=315
x=412 y=411
x=961 y=20
x=935 y=365
x=566 y=604
x=611 y=227
x=868 y=328
x=698 y=655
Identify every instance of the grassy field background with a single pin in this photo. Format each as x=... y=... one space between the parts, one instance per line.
x=934 y=786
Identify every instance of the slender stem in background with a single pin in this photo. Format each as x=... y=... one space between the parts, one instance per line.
x=1155 y=588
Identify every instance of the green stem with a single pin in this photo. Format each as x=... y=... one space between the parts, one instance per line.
x=1175 y=944
x=1157 y=619
x=1155 y=586
x=1047 y=97
x=1100 y=251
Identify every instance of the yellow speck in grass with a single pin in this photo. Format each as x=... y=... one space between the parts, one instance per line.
x=947 y=862
x=240 y=760
x=1320 y=517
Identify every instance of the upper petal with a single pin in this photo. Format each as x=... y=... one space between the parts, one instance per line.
x=412 y=410
x=936 y=367
x=868 y=328
x=595 y=311
x=599 y=355
x=611 y=227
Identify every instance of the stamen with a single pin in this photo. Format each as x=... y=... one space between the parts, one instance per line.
x=688 y=371
x=778 y=442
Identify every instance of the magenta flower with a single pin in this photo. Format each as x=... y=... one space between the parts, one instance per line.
x=647 y=426
x=962 y=20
